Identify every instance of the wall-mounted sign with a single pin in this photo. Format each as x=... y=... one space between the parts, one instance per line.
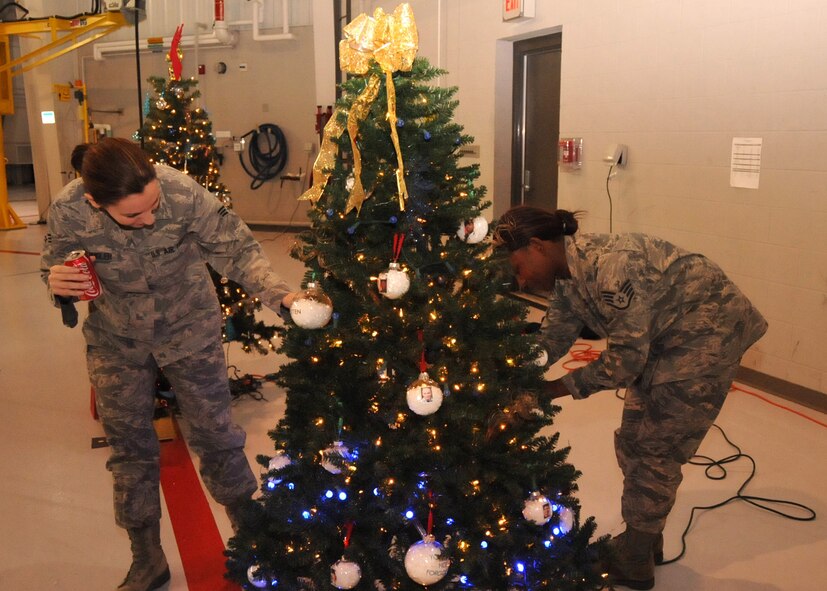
x=514 y=9
x=47 y=117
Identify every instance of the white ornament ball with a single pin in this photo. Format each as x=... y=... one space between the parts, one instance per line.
x=566 y=517
x=473 y=231
x=345 y=574
x=255 y=577
x=425 y=563
x=424 y=395
x=542 y=358
x=311 y=308
x=393 y=283
x=337 y=449
x=537 y=509
x=279 y=461
x=349 y=182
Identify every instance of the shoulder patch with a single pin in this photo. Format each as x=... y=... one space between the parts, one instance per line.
x=621 y=298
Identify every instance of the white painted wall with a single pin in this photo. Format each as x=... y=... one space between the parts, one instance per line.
x=676 y=81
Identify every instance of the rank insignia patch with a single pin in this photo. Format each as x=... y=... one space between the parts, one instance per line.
x=619 y=299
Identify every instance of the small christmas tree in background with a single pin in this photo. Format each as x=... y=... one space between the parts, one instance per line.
x=179 y=134
x=393 y=468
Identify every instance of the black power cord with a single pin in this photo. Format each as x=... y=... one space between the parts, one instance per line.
x=609 y=193
x=267 y=152
x=760 y=502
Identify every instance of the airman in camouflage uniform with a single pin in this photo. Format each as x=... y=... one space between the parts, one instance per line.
x=676 y=329
x=159 y=309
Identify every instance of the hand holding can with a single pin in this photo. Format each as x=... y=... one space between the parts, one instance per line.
x=91 y=287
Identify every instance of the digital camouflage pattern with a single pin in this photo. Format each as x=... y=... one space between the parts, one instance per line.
x=159 y=309
x=125 y=401
x=157 y=293
x=676 y=329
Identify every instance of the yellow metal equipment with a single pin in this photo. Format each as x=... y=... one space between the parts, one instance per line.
x=65 y=35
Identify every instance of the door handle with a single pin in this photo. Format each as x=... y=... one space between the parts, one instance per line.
x=527 y=180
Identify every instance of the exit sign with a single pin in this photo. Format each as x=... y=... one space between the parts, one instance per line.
x=514 y=9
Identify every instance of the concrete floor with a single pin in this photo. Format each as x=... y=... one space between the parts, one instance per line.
x=55 y=495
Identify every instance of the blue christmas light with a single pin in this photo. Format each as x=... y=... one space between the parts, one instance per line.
x=393 y=219
x=547 y=543
x=520 y=567
x=376 y=492
x=556 y=531
x=409 y=514
x=328 y=494
x=306 y=514
x=483 y=544
x=449 y=521
x=330 y=212
x=291 y=486
x=426 y=135
x=400 y=123
x=343 y=496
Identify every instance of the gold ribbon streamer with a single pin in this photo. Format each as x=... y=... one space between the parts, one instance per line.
x=358 y=111
x=392 y=41
x=401 y=187
x=326 y=160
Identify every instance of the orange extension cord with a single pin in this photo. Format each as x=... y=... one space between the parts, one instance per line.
x=584 y=353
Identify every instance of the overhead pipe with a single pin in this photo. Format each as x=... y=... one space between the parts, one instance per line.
x=220 y=28
x=258 y=9
x=101 y=50
x=221 y=35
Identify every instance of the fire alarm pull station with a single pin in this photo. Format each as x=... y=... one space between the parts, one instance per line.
x=570 y=153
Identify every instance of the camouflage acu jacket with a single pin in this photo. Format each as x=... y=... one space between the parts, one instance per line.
x=157 y=295
x=666 y=313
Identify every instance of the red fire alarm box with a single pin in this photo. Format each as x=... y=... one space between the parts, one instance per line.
x=570 y=153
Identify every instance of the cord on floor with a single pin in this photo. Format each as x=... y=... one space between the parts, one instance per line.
x=765 y=503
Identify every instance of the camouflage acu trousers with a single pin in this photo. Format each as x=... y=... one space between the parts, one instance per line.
x=662 y=427
x=125 y=398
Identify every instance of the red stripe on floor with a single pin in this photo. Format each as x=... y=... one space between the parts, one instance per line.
x=199 y=542
x=20 y=252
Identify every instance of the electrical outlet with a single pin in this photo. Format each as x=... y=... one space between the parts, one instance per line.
x=471 y=151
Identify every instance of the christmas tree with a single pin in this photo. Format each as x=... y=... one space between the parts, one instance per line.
x=396 y=464
x=178 y=133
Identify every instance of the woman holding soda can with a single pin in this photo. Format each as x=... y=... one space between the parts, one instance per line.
x=147 y=231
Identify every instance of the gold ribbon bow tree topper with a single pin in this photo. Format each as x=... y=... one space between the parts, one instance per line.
x=391 y=40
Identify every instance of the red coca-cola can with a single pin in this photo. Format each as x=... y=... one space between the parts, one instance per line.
x=78 y=258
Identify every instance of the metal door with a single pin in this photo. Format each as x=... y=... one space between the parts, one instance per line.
x=536 y=121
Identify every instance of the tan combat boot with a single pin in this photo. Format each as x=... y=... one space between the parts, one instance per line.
x=631 y=561
x=149 y=568
x=657 y=549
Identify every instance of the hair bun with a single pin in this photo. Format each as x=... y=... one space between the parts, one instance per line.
x=568 y=222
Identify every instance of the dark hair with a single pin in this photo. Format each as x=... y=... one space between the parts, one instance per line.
x=517 y=226
x=78 y=152
x=114 y=168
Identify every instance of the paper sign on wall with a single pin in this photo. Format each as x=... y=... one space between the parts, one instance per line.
x=745 y=163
